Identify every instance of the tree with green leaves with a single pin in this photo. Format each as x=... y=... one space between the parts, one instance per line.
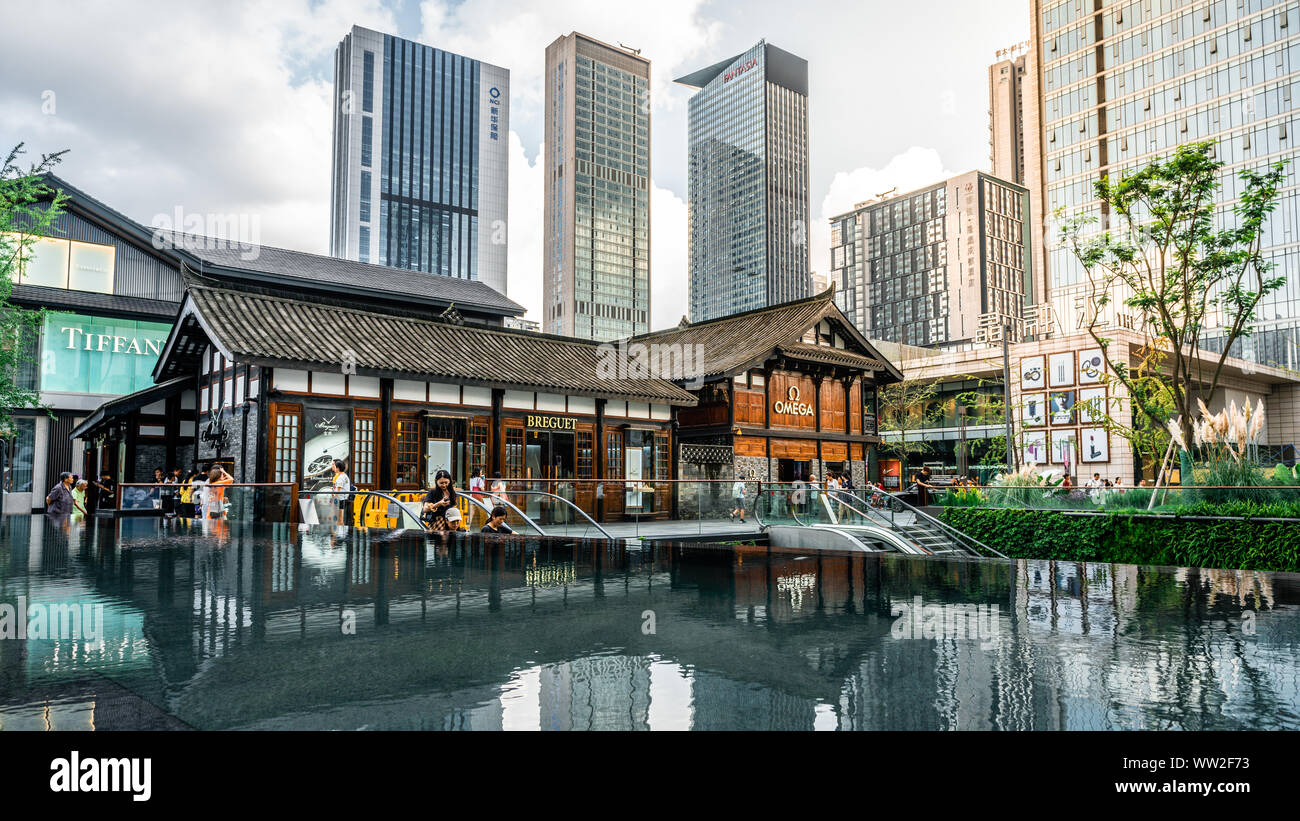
x=1163 y=256
x=906 y=407
x=28 y=208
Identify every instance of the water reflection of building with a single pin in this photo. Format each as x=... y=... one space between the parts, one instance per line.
x=605 y=692
x=243 y=630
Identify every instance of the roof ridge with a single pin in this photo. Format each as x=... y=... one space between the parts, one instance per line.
x=508 y=332
x=824 y=296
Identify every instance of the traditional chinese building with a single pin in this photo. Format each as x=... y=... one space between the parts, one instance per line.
x=786 y=393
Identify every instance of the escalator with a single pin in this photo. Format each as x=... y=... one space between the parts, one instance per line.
x=842 y=519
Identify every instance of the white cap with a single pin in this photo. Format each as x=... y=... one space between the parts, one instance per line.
x=453 y=515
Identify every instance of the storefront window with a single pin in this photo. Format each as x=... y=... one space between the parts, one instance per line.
x=444 y=449
x=284 y=461
x=514 y=455
x=19 y=458
x=325 y=438
x=363 y=442
x=406 y=449
x=478 y=449
x=640 y=461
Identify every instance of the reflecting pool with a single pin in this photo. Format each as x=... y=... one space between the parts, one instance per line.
x=229 y=626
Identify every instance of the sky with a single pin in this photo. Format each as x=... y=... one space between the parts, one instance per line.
x=223 y=107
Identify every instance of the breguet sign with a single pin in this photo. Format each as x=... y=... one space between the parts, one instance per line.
x=792 y=404
x=536 y=420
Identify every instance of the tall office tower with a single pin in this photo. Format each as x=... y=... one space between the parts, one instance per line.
x=1006 y=119
x=748 y=188
x=1125 y=83
x=596 y=253
x=946 y=266
x=1015 y=141
x=421 y=160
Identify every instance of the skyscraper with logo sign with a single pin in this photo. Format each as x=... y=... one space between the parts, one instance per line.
x=596 y=251
x=421 y=159
x=748 y=182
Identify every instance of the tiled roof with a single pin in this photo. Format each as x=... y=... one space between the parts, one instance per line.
x=734 y=342
x=347 y=275
x=64 y=299
x=304 y=334
x=832 y=356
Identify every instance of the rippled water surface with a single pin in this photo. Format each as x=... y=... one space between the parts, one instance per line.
x=266 y=627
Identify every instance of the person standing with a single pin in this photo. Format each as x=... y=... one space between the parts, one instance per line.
x=440 y=498
x=923 y=486
x=107 y=490
x=342 y=491
x=498 y=489
x=59 y=501
x=79 y=498
x=199 y=483
x=215 y=494
x=477 y=486
x=738 y=495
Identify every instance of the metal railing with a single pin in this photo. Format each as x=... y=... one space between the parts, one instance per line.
x=567 y=503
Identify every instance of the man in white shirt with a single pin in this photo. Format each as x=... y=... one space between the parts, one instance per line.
x=738 y=494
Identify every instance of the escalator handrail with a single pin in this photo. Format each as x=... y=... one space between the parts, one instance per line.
x=369 y=494
x=894 y=527
x=581 y=512
x=470 y=494
x=921 y=516
x=407 y=510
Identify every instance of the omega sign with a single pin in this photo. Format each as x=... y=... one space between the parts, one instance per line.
x=791 y=404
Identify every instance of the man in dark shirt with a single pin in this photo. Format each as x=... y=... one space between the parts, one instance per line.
x=58 y=502
x=106 y=487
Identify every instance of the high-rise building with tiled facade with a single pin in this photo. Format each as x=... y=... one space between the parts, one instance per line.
x=596 y=249
x=945 y=266
x=421 y=159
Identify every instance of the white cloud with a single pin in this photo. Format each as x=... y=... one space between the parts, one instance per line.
x=669 y=289
x=215 y=109
x=515 y=33
x=524 y=259
x=915 y=168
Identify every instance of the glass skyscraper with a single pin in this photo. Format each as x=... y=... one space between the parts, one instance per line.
x=1123 y=82
x=596 y=252
x=748 y=183
x=420 y=169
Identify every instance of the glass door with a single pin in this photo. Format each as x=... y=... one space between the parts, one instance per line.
x=548 y=455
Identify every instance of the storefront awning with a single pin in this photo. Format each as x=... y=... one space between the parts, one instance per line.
x=108 y=413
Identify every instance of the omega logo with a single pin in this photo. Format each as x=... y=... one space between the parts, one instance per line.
x=791 y=403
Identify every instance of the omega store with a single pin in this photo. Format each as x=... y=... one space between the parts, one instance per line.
x=285 y=385
x=786 y=393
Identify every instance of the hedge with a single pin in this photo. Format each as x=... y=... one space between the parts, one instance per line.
x=1126 y=538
